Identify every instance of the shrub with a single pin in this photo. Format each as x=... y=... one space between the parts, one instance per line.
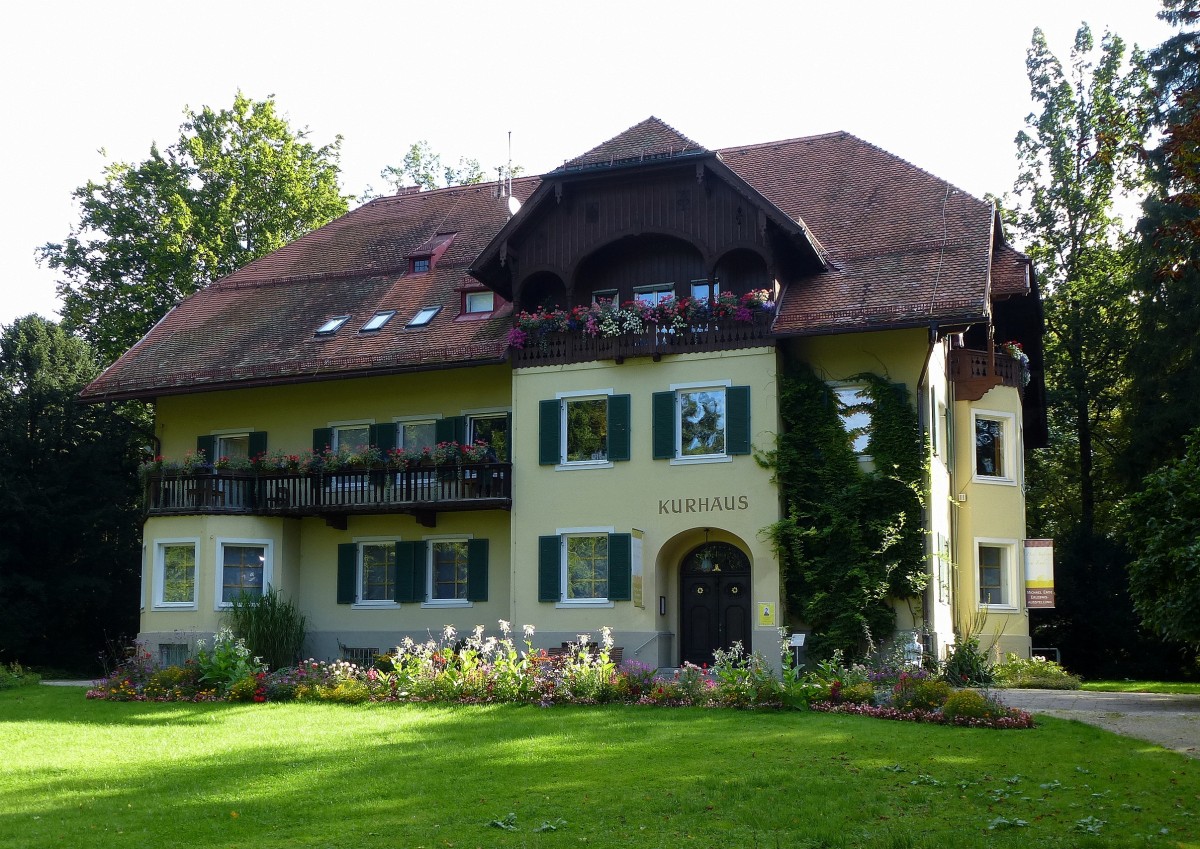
x=967 y=704
x=173 y=683
x=15 y=675
x=925 y=694
x=860 y=693
x=966 y=665
x=272 y=626
x=228 y=662
x=1033 y=672
x=348 y=691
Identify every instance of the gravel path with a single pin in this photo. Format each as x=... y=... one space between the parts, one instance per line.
x=1172 y=721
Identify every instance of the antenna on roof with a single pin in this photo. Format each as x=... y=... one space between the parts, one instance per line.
x=513 y=204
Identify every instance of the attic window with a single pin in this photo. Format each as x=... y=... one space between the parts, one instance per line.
x=423 y=316
x=333 y=325
x=477 y=302
x=377 y=321
x=419 y=264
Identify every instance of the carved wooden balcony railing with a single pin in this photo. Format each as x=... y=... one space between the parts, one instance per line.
x=421 y=491
x=975 y=372
x=575 y=346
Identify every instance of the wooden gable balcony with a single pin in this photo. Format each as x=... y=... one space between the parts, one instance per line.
x=561 y=347
x=975 y=372
x=422 y=491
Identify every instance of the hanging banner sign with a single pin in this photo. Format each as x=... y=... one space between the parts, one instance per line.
x=1039 y=573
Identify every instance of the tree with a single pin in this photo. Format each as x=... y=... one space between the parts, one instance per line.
x=237 y=184
x=1165 y=387
x=1079 y=153
x=69 y=512
x=1164 y=530
x=424 y=169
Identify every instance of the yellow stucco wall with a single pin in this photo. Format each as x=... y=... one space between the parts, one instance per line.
x=671 y=503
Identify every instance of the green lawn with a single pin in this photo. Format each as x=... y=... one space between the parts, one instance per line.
x=98 y=774
x=1126 y=686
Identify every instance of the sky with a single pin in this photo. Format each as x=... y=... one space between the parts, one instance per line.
x=940 y=83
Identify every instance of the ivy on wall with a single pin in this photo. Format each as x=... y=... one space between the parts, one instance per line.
x=850 y=540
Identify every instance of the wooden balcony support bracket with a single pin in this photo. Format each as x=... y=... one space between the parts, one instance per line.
x=426 y=518
x=337 y=521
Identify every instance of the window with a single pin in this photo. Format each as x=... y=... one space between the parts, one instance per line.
x=419 y=264
x=172 y=654
x=706 y=289
x=440 y=572
x=996 y=572
x=233 y=447
x=417 y=435
x=448 y=575
x=351 y=438
x=243 y=566
x=175 y=574
x=377 y=573
x=654 y=295
x=423 y=316
x=995 y=453
x=377 y=321
x=585 y=566
x=475 y=302
x=333 y=325
x=491 y=428
x=582 y=429
x=701 y=423
x=604 y=296
x=854 y=407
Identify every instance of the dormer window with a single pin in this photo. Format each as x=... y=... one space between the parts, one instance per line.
x=419 y=264
x=479 y=302
x=332 y=326
x=423 y=316
x=377 y=321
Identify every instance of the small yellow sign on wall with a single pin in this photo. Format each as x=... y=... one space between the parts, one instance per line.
x=766 y=614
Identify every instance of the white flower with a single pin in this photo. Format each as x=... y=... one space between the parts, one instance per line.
x=449 y=633
x=606 y=636
x=528 y=629
x=505 y=627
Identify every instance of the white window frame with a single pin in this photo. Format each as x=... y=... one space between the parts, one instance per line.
x=336 y=427
x=160 y=573
x=473 y=415
x=660 y=291
x=579 y=395
x=401 y=421
x=842 y=388
x=268 y=546
x=431 y=602
x=1011 y=455
x=563 y=574
x=332 y=325
x=468 y=307
x=679 y=459
x=361 y=603
x=1009 y=587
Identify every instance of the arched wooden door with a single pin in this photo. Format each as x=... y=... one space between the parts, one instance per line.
x=714 y=601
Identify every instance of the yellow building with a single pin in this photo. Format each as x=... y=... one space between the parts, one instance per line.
x=540 y=402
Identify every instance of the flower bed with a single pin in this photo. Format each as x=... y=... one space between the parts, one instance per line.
x=489 y=669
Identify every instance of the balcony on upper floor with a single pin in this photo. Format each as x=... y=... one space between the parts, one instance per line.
x=557 y=347
x=421 y=491
x=975 y=372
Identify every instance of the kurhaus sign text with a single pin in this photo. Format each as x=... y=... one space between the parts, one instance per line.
x=712 y=504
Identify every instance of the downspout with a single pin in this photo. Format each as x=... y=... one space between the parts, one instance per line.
x=922 y=413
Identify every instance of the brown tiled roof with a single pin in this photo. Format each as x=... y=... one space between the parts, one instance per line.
x=258 y=324
x=650 y=139
x=905 y=247
x=1010 y=272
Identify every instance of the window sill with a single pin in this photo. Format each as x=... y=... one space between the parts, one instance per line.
x=168 y=608
x=583 y=603
x=583 y=464
x=695 y=461
x=999 y=608
x=993 y=481
x=446 y=602
x=375 y=605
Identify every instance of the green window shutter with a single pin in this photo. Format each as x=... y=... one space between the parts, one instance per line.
x=382 y=436
x=549 y=432
x=549 y=569
x=737 y=420
x=620 y=567
x=477 y=570
x=347 y=573
x=322 y=439
x=618 y=427
x=451 y=429
x=207 y=444
x=258 y=443
x=663 y=415
x=408 y=564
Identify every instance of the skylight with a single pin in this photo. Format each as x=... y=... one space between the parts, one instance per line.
x=377 y=321
x=423 y=316
x=333 y=325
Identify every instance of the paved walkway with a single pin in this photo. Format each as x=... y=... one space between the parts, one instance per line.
x=1172 y=721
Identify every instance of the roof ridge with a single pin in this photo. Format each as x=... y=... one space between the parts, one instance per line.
x=760 y=145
